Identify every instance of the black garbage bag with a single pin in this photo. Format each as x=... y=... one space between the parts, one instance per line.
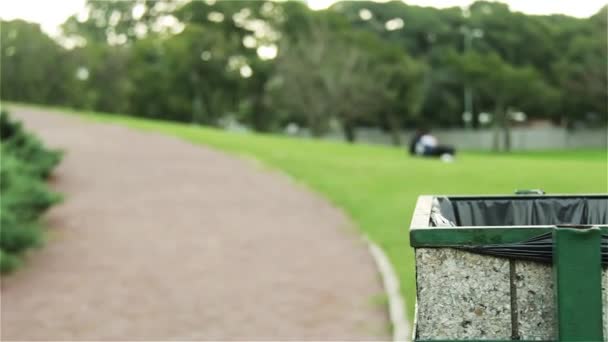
x=522 y=211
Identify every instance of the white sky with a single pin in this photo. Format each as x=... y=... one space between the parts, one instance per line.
x=50 y=14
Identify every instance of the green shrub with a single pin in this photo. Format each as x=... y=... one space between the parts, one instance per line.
x=17 y=236
x=24 y=165
x=24 y=193
x=8 y=262
x=8 y=127
x=26 y=147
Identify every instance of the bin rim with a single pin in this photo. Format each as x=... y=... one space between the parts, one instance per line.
x=520 y=196
x=422 y=234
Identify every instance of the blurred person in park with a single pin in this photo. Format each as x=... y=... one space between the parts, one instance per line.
x=424 y=144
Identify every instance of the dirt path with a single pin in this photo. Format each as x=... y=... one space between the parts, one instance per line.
x=162 y=240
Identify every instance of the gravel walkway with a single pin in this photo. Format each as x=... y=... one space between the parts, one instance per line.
x=162 y=240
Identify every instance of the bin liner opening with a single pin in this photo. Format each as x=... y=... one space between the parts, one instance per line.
x=520 y=211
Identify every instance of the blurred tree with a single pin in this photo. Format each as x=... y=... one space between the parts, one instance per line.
x=100 y=42
x=268 y=63
x=298 y=86
x=99 y=78
x=117 y=22
x=507 y=87
x=151 y=77
x=581 y=71
x=401 y=81
x=33 y=68
x=522 y=40
x=252 y=28
x=328 y=71
x=425 y=33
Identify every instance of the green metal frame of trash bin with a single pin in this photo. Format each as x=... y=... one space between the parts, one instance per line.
x=579 y=290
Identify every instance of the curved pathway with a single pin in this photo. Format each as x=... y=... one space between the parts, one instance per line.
x=158 y=239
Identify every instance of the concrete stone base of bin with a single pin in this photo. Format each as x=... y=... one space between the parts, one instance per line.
x=462 y=295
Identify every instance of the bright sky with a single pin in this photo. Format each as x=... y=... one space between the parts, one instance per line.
x=50 y=14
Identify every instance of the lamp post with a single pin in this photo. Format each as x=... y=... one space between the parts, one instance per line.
x=468 y=35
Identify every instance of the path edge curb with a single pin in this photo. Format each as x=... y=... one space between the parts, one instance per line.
x=396 y=304
x=402 y=330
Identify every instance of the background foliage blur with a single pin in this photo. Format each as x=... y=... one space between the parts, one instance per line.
x=270 y=64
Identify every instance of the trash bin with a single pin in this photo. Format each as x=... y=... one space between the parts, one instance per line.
x=518 y=267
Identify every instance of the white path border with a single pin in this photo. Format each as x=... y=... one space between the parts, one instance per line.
x=396 y=304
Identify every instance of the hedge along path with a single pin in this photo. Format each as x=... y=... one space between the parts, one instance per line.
x=161 y=240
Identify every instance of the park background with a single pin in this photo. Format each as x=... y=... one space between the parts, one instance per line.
x=523 y=95
x=376 y=69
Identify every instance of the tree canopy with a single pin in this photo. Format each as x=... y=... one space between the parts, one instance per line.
x=267 y=64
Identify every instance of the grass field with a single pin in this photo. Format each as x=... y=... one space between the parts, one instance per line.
x=378 y=186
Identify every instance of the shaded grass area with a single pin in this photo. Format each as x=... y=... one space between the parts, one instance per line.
x=377 y=186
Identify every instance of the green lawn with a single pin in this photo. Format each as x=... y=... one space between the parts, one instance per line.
x=378 y=186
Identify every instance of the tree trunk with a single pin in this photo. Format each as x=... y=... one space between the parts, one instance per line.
x=498 y=124
x=260 y=119
x=505 y=127
x=349 y=131
x=395 y=128
x=507 y=134
x=262 y=122
x=197 y=110
x=496 y=140
x=475 y=120
x=314 y=126
x=315 y=132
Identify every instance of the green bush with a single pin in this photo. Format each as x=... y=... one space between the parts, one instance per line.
x=24 y=194
x=26 y=147
x=8 y=127
x=24 y=165
x=18 y=237
x=8 y=262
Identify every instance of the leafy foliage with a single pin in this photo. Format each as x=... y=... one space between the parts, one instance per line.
x=24 y=165
x=359 y=63
x=26 y=148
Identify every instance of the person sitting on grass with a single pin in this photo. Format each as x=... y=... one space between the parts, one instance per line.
x=425 y=144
